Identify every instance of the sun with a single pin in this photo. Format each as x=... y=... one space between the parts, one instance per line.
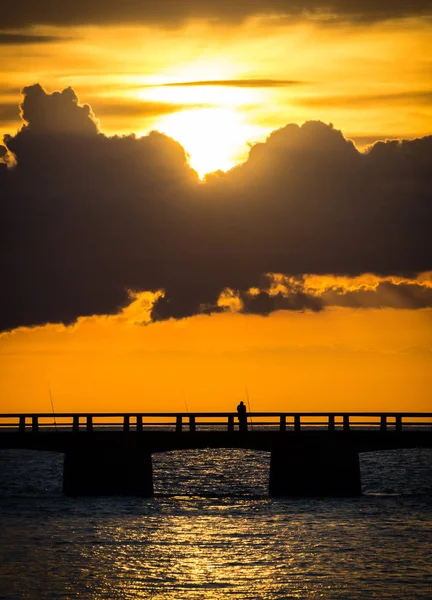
x=212 y=124
x=214 y=138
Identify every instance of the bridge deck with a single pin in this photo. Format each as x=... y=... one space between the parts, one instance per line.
x=159 y=432
x=312 y=454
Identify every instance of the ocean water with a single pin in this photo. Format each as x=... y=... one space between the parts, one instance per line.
x=212 y=532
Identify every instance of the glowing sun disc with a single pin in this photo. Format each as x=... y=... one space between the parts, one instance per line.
x=214 y=138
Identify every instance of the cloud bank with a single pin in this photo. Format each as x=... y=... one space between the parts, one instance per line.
x=86 y=218
x=29 y=12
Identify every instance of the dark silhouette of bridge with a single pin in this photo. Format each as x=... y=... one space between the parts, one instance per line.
x=312 y=454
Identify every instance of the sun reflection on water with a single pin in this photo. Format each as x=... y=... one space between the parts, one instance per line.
x=237 y=543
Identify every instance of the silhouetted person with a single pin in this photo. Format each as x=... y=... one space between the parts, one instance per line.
x=242 y=417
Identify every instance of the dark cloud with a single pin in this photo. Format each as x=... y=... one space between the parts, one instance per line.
x=167 y=12
x=247 y=83
x=84 y=217
x=412 y=294
x=264 y=303
x=281 y=292
x=18 y=39
x=54 y=114
x=387 y=295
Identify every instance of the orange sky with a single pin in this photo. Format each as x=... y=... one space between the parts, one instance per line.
x=370 y=77
x=339 y=359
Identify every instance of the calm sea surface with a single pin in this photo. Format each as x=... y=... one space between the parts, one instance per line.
x=212 y=532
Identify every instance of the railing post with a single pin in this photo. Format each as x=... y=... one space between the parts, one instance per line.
x=75 y=424
x=35 y=425
x=230 y=423
x=126 y=423
x=282 y=423
x=139 y=423
x=89 y=424
x=192 y=424
x=331 y=423
x=398 y=423
x=22 y=424
x=383 y=425
x=346 y=423
x=297 y=423
x=179 y=424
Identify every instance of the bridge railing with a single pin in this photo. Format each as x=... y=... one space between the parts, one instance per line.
x=212 y=421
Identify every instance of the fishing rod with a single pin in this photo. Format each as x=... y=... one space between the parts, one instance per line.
x=52 y=407
x=185 y=401
x=249 y=408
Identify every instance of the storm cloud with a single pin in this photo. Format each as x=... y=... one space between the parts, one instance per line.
x=86 y=218
x=167 y=12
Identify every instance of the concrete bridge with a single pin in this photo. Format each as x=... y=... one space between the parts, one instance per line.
x=312 y=454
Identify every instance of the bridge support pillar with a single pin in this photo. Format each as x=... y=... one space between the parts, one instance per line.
x=107 y=472
x=314 y=471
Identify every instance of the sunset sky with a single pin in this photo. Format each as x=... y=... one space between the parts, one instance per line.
x=274 y=237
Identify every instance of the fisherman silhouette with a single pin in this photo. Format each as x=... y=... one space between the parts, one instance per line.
x=242 y=417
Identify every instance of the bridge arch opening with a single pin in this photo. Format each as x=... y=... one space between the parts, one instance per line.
x=211 y=472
